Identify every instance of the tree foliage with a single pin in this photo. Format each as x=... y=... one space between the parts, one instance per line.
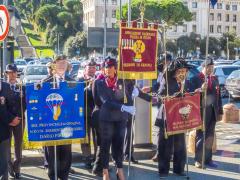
x=170 y=11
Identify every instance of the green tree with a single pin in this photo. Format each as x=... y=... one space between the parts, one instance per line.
x=75 y=43
x=170 y=11
x=171 y=46
x=214 y=46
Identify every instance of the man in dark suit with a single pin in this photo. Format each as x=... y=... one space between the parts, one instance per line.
x=17 y=106
x=213 y=112
x=6 y=120
x=64 y=152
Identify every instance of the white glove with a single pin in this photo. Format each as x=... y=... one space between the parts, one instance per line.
x=130 y=109
x=135 y=93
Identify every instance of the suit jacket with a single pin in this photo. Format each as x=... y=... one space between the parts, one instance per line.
x=5 y=116
x=214 y=99
x=112 y=101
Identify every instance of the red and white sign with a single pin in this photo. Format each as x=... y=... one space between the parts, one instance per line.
x=4 y=22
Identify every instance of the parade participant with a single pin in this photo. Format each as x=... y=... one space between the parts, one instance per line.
x=97 y=167
x=174 y=144
x=64 y=152
x=112 y=117
x=213 y=112
x=17 y=107
x=127 y=140
x=88 y=77
x=7 y=120
x=160 y=85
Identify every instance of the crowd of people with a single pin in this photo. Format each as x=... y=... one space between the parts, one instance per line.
x=109 y=102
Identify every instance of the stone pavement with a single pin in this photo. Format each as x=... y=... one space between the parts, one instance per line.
x=227 y=157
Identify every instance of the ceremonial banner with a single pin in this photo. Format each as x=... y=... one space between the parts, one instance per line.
x=183 y=114
x=55 y=116
x=137 y=53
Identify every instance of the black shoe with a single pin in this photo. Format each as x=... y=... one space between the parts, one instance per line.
x=72 y=171
x=163 y=176
x=17 y=176
x=88 y=165
x=133 y=160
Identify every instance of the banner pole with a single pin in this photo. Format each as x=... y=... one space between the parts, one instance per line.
x=205 y=91
x=55 y=147
x=130 y=147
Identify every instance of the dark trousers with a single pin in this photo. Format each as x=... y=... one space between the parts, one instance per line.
x=127 y=140
x=175 y=145
x=64 y=160
x=45 y=157
x=4 y=149
x=17 y=133
x=96 y=129
x=112 y=133
x=209 y=138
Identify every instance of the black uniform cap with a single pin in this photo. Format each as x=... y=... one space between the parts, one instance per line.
x=207 y=62
x=11 y=68
x=178 y=63
x=108 y=62
x=91 y=63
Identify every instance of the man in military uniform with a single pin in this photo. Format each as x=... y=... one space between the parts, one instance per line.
x=213 y=112
x=17 y=106
x=64 y=152
x=88 y=77
x=6 y=120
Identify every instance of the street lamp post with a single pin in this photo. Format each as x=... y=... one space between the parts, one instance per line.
x=58 y=43
x=227 y=48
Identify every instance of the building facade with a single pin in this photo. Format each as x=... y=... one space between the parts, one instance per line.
x=224 y=17
x=93 y=12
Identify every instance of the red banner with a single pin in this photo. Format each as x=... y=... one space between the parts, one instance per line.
x=138 y=53
x=183 y=114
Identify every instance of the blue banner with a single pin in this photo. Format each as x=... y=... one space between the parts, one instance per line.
x=213 y=2
x=55 y=114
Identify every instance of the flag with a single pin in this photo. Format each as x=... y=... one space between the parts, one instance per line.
x=213 y=2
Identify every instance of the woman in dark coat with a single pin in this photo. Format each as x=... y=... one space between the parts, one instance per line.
x=113 y=116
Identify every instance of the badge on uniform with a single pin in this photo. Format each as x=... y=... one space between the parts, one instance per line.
x=2 y=100
x=120 y=87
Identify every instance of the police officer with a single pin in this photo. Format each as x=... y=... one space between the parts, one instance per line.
x=88 y=77
x=174 y=144
x=17 y=106
x=213 y=108
x=112 y=117
x=64 y=152
x=7 y=119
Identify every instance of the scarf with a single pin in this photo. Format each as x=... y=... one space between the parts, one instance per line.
x=111 y=82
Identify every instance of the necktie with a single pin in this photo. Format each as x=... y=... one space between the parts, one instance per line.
x=209 y=82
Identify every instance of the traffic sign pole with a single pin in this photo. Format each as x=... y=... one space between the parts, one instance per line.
x=4 y=22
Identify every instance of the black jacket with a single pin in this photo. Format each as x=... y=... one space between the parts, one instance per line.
x=5 y=116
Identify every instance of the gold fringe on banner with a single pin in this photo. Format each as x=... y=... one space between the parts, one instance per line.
x=183 y=131
x=137 y=75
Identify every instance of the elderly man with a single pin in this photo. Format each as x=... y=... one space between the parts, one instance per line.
x=213 y=111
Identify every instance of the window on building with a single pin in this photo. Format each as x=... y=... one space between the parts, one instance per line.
x=114 y=2
x=227 y=7
x=219 y=29
x=194 y=28
x=234 y=7
x=113 y=13
x=227 y=18
x=211 y=16
x=184 y=28
x=219 y=17
x=185 y=3
x=194 y=16
x=234 y=28
x=211 y=29
x=175 y=28
x=227 y=29
x=194 y=4
x=219 y=5
x=234 y=18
